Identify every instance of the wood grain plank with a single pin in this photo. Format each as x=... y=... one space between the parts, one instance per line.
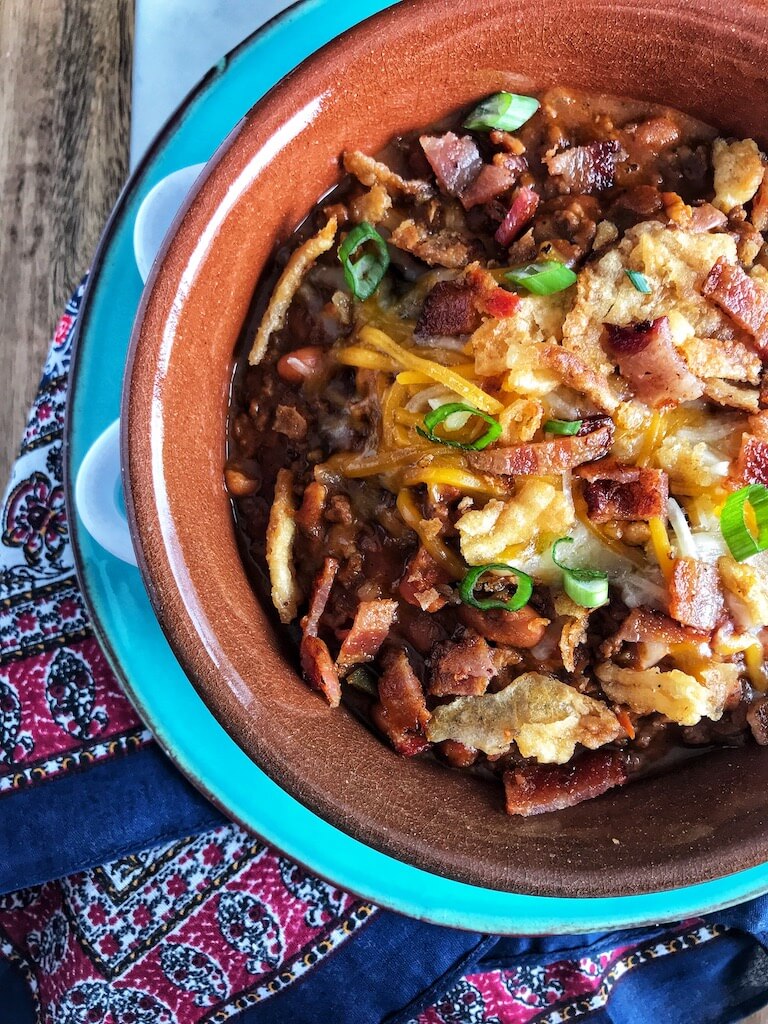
x=65 y=79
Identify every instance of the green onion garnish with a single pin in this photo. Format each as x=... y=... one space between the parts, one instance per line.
x=586 y=587
x=740 y=540
x=520 y=597
x=439 y=415
x=640 y=281
x=543 y=278
x=504 y=110
x=364 y=274
x=564 y=427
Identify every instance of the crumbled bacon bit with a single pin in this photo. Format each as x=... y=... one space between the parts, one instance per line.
x=401 y=712
x=538 y=789
x=449 y=309
x=319 y=669
x=455 y=160
x=520 y=213
x=544 y=458
x=752 y=462
x=309 y=517
x=423 y=582
x=461 y=667
x=321 y=591
x=493 y=180
x=612 y=491
x=738 y=296
x=372 y=623
x=695 y=597
x=706 y=218
x=589 y=168
x=650 y=362
x=645 y=626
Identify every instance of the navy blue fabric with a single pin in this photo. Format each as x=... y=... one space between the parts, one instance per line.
x=17 y=1005
x=386 y=974
x=394 y=966
x=720 y=982
x=90 y=817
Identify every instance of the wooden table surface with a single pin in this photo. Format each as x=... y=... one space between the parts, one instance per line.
x=65 y=82
x=65 y=87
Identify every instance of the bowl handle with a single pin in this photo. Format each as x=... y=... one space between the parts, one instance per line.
x=99 y=495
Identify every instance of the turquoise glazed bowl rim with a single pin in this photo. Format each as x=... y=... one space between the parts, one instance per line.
x=220 y=768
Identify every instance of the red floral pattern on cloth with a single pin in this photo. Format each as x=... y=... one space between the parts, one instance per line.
x=197 y=930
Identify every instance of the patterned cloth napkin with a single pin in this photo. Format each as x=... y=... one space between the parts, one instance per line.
x=191 y=919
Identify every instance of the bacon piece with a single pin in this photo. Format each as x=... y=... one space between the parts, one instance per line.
x=649 y=360
x=455 y=161
x=577 y=375
x=589 y=168
x=631 y=493
x=545 y=458
x=421 y=580
x=643 y=626
x=461 y=667
x=319 y=669
x=449 y=309
x=493 y=179
x=519 y=214
x=523 y=628
x=752 y=461
x=536 y=789
x=738 y=296
x=706 y=218
x=321 y=591
x=372 y=623
x=401 y=712
x=695 y=597
x=490 y=298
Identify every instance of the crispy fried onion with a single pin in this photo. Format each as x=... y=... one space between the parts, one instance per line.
x=285 y=289
x=281 y=531
x=679 y=696
x=545 y=717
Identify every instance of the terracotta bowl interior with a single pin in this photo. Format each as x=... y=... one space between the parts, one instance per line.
x=405 y=68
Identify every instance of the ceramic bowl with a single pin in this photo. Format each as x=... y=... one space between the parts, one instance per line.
x=403 y=69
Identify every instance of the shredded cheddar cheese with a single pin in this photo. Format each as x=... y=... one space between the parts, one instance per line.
x=661 y=546
x=440 y=374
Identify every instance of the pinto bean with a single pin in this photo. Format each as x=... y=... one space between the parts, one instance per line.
x=295 y=367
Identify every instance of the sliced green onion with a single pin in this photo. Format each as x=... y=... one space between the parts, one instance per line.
x=640 y=281
x=504 y=110
x=586 y=587
x=544 y=278
x=520 y=597
x=364 y=274
x=740 y=540
x=564 y=427
x=364 y=681
x=442 y=412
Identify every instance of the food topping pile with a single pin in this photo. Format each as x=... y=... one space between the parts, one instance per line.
x=500 y=442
